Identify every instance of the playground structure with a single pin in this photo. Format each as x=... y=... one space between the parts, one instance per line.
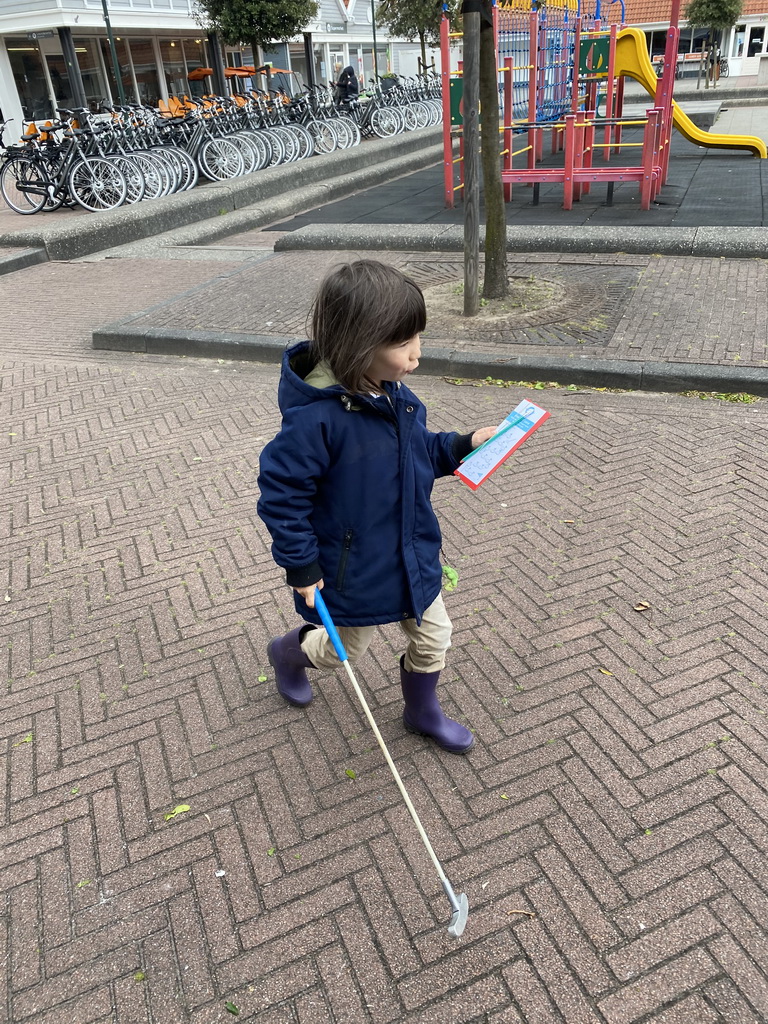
x=562 y=73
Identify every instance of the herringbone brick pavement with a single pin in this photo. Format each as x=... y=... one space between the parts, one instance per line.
x=609 y=827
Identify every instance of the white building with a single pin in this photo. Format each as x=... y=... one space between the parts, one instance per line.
x=55 y=53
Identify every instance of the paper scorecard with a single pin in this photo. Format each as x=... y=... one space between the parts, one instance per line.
x=512 y=431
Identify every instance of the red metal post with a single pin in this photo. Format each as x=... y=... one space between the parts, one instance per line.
x=569 y=154
x=508 y=115
x=533 y=81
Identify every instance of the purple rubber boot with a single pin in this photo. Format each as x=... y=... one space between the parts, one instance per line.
x=289 y=662
x=423 y=714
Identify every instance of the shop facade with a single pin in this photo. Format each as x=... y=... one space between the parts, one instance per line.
x=56 y=53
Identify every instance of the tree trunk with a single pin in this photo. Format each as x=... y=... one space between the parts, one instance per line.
x=471 y=132
x=423 y=41
x=495 y=279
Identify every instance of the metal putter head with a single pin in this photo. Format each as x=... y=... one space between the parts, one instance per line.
x=459 y=916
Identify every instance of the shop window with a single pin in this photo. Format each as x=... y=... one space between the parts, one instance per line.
x=194 y=53
x=90 y=72
x=145 y=70
x=173 y=66
x=337 y=63
x=738 y=43
x=756 y=40
x=125 y=69
x=27 y=67
x=62 y=89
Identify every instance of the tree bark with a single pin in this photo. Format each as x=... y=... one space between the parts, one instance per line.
x=471 y=163
x=495 y=279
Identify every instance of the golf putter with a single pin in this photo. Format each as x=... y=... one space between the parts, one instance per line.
x=459 y=904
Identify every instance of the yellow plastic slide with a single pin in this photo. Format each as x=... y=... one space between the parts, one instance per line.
x=632 y=59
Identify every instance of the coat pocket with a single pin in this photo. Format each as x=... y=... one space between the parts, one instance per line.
x=342 y=570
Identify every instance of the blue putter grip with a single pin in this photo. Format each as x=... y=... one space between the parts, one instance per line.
x=330 y=628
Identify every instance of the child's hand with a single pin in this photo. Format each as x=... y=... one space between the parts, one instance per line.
x=482 y=435
x=308 y=593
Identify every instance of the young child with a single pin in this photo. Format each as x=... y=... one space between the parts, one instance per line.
x=345 y=491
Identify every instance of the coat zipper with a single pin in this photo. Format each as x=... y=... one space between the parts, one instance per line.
x=343 y=560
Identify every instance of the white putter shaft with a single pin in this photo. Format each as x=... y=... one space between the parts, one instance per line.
x=459 y=904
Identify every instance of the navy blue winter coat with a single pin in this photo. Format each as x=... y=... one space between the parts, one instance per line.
x=345 y=492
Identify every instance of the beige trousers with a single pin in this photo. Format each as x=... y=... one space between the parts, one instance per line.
x=425 y=651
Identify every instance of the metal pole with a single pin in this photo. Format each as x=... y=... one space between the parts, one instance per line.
x=73 y=68
x=113 y=51
x=375 y=57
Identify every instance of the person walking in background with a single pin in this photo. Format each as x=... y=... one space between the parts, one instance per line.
x=346 y=88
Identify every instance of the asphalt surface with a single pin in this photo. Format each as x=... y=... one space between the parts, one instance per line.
x=705 y=188
x=181 y=846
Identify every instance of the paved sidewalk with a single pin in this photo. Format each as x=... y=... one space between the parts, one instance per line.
x=178 y=844
x=623 y=320
x=609 y=827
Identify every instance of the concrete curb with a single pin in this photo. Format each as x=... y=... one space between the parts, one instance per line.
x=736 y=243
x=303 y=198
x=21 y=259
x=83 y=235
x=617 y=373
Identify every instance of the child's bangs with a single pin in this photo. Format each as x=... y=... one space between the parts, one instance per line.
x=409 y=314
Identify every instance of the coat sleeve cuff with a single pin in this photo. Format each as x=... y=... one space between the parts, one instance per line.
x=462 y=446
x=304 y=576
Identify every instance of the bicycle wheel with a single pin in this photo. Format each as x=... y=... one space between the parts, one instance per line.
x=260 y=147
x=246 y=150
x=155 y=176
x=410 y=120
x=306 y=141
x=189 y=169
x=352 y=126
x=167 y=156
x=385 y=122
x=291 y=142
x=134 y=178
x=18 y=176
x=220 y=159
x=344 y=133
x=97 y=184
x=276 y=146
x=326 y=139
x=422 y=114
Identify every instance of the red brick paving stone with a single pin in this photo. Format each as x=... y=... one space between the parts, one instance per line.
x=465 y=966
x=466 y=1005
x=574 y=946
x=159 y=965
x=312 y=1008
x=157 y=416
x=670 y=939
x=86 y=948
x=692 y=1009
x=509 y=1015
x=262 y=994
x=529 y=994
x=742 y=970
x=93 y=1008
x=130 y=999
x=664 y=985
x=730 y=1004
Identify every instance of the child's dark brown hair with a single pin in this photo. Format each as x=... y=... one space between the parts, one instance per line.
x=359 y=307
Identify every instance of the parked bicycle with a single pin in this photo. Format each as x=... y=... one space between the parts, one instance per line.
x=54 y=166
